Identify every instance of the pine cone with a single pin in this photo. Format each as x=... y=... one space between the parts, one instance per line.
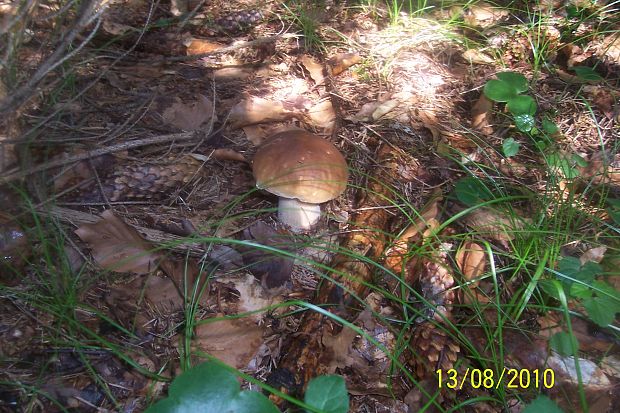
x=144 y=181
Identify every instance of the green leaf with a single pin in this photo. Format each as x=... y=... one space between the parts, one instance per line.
x=603 y=308
x=328 y=393
x=580 y=291
x=542 y=404
x=549 y=126
x=599 y=311
x=209 y=387
x=524 y=122
x=516 y=80
x=499 y=91
x=571 y=269
x=522 y=105
x=510 y=147
x=614 y=214
x=471 y=191
x=563 y=342
x=587 y=73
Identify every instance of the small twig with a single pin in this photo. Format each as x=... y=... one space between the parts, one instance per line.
x=236 y=46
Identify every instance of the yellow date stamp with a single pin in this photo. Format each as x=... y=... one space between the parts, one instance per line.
x=489 y=379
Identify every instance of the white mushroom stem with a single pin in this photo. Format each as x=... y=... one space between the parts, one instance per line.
x=299 y=216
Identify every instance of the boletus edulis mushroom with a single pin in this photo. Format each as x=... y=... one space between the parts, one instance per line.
x=304 y=171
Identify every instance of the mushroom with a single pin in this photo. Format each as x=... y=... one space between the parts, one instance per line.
x=303 y=170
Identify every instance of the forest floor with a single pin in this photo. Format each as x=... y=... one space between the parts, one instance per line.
x=499 y=243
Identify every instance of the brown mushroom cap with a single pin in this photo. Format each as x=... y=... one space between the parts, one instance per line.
x=298 y=164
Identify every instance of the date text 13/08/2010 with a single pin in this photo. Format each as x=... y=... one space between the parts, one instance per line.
x=489 y=379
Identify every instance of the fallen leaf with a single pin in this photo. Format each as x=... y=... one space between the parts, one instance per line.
x=322 y=115
x=481 y=115
x=224 y=154
x=395 y=255
x=190 y=116
x=231 y=73
x=342 y=62
x=258 y=110
x=471 y=260
x=384 y=108
x=163 y=294
x=477 y=57
x=233 y=341
x=314 y=68
x=255 y=134
x=495 y=224
x=604 y=99
x=593 y=254
x=201 y=46
x=118 y=247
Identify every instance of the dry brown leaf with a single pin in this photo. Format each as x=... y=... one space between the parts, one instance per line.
x=471 y=260
x=163 y=294
x=394 y=260
x=477 y=57
x=225 y=154
x=384 y=108
x=189 y=116
x=604 y=99
x=322 y=116
x=314 y=68
x=481 y=117
x=494 y=224
x=342 y=62
x=593 y=254
x=201 y=46
x=232 y=73
x=258 y=110
x=235 y=342
x=255 y=134
x=118 y=247
x=365 y=113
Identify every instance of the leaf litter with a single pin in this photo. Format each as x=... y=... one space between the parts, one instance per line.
x=275 y=84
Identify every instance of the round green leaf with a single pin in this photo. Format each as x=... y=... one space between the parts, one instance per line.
x=516 y=80
x=499 y=91
x=524 y=122
x=542 y=404
x=209 y=387
x=510 y=147
x=522 y=105
x=328 y=393
x=563 y=343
